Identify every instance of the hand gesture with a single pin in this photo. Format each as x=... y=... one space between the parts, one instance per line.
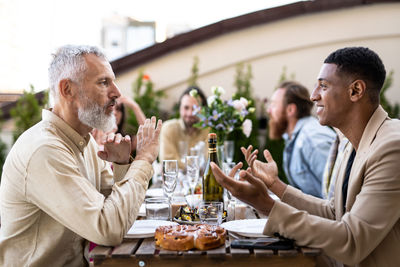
x=148 y=140
x=115 y=148
x=250 y=190
x=268 y=172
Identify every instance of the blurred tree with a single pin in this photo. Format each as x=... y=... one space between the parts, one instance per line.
x=3 y=148
x=244 y=89
x=393 y=110
x=148 y=100
x=27 y=112
x=192 y=81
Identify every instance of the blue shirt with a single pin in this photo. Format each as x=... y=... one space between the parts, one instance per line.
x=305 y=155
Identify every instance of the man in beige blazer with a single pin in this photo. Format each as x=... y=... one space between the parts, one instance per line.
x=360 y=225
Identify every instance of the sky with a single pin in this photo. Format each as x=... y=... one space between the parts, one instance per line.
x=32 y=30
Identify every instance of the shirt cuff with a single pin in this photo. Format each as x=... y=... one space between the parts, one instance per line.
x=279 y=213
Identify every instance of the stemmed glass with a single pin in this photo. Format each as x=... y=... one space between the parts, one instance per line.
x=169 y=175
x=229 y=150
x=192 y=171
x=183 y=149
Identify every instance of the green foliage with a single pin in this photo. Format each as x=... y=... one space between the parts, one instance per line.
x=3 y=149
x=192 y=81
x=244 y=89
x=27 y=112
x=393 y=110
x=148 y=100
x=284 y=76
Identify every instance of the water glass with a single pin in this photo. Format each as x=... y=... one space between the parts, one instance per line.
x=157 y=208
x=211 y=212
x=229 y=147
x=169 y=175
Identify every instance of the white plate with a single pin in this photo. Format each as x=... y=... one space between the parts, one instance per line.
x=154 y=192
x=249 y=228
x=146 y=228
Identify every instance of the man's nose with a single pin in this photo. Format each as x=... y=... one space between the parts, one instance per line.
x=115 y=92
x=314 y=95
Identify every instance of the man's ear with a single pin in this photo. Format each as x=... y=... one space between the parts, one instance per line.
x=291 y=110
x=357 y=90
x=65 y=89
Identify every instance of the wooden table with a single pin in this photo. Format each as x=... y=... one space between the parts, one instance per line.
x=143 y=252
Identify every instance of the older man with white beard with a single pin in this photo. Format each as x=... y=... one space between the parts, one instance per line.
x=51 y=204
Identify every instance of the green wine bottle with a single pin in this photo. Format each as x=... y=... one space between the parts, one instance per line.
x=212 y=190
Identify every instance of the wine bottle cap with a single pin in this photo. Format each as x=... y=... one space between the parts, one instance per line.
x=212 y=135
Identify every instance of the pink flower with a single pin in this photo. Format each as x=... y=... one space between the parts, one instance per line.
x=244 y=101
x=247 y=127
x=238 y=105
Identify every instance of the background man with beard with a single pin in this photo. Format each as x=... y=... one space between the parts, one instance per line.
x=51 y=204
x=182 y=129
x=307 y=143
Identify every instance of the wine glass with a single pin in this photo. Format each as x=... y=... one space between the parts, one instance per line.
x=229 y=150
x=192 y=171
x=169 y=175
x=183 y=149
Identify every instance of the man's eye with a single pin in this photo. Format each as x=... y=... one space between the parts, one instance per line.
x=104 y=82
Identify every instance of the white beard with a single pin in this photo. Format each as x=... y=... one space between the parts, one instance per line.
x=94 y=116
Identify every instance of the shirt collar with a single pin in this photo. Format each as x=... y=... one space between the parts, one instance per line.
x=80 y=141
x=300 y=123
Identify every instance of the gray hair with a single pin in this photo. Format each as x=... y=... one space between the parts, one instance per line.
x=68 y=63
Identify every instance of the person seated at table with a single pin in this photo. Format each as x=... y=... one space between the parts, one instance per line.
x=183 y=129
x=360 y=225
x=50 y=199
x=307 y=142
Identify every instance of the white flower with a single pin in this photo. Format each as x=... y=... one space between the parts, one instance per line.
x=244 y=102
x=193 y=93
x=247 y=127
x=238 y=105
x=251 y=110
x=210 y=100
x=217 y=90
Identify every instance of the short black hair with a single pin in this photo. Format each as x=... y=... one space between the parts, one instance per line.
x=199 y=92
x=296 y=93
x=363 y=64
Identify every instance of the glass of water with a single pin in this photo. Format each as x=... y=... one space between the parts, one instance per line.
x=169 y=176
x=211 y=212
x=157 y=208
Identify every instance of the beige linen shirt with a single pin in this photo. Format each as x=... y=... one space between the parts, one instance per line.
x=51 y=204
x=367 y=232
x=174 y=131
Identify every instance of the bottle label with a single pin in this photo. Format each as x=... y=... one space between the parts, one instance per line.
x=212 y=150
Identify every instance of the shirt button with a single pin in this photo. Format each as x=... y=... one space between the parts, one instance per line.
x=81 y=143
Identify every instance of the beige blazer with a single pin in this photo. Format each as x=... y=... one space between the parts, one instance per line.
x=367 y=233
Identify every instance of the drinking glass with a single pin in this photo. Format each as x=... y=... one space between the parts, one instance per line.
x=229 y=150
x=183 y=150
x=169 y=175
x=192 y=171
x=211 y=212
x=157 y=208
